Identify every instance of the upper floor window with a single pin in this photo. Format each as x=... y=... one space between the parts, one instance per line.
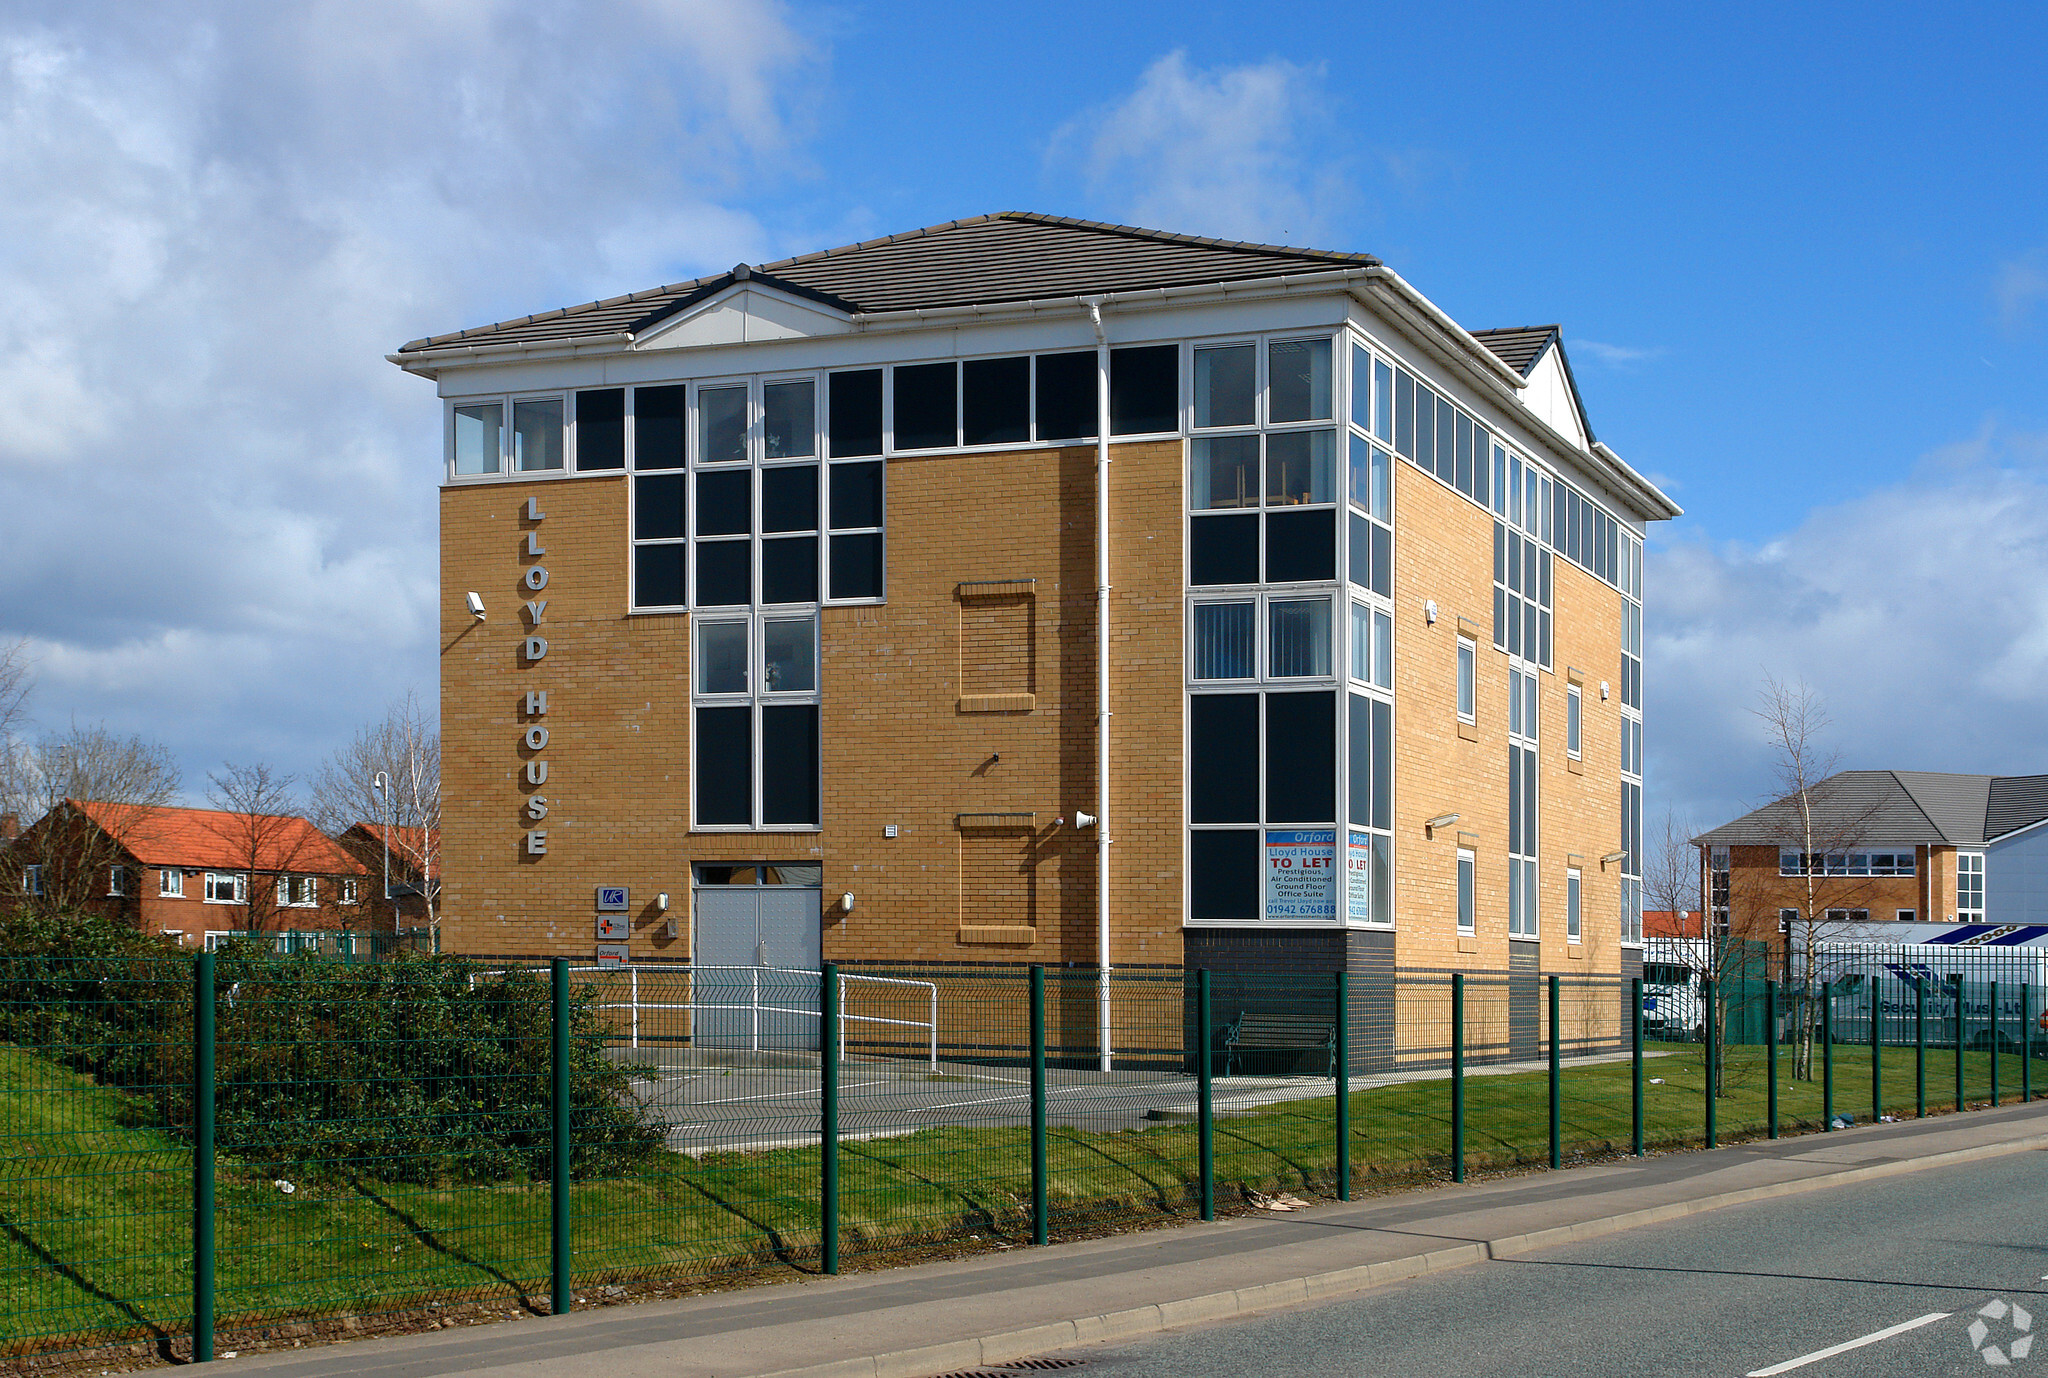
x=1970 y=887
x=1468 y=671
x=1262 y=482
x=117 y=880
x=298 y=892
x=226 y=887
x=755 y=747
x=1574 y=716
x=534 y=442
x=170 y=882
x=1792 y=862
x=1225 y=643
x=32 y=880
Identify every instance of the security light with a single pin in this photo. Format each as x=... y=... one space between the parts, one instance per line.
x=476 y=605
x=1611 y=858
x=1442 y=820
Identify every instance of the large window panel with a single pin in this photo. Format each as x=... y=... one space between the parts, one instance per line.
x=1360 y=775
x=857 y=566
x=536 y=434
x=659 y=427
x=725 y=503
x=601 y=430
x=725 y=574
x=1225 y=641
x=722 y=657
x=658 y=575
x=1382 y=764
x=789 y=498
x=789 y=570
x=1223 y=758
x=1066 y=396
x=1301 y=758
x=1144 y=390
x=856 y=412
x=926 y=406
x=479 y=438
x=1301 y=468
x=856 y=495
x=1225 y=471
x=722 y=425
x=995 y=401
x=1224 y=550
x=789 y=765
x=1299 y=638
x=789 y=655
x=660 y=506
x=1298 y=377
x=1301 y=547
x=724 y=751
x=789 y=419
x=1227 y=386
x=1223 y=875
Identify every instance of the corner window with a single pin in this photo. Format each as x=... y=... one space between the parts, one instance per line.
x=1571 y=905
x=1573 y=709
x=537 y=434
x=479 y=438
x=1468 y=921
x=1468 y=670
x=1224 y=641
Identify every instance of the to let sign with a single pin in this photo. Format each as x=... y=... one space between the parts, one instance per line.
x=1301 y=873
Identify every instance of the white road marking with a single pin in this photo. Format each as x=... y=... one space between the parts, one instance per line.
x=1832 y=1350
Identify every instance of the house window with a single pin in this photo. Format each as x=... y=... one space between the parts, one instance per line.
x=298 y=892
x=482 y=445
x=755 y=749
x=1786 y=918
x=1263 y=503
x=1262 y=795
x=1905 y=916
x=1468 y=669
x=1523 y=903
x=170 y=882
x=1848 y=916
x=226 y=887
x=1468 y=921
x=348 y=892
x=1522 y=571
x=1573 y=715
x=117 y=880
x=32 y=880
x=1571 y=905
x=1970 y=887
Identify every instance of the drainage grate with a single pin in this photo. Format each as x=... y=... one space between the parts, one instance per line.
x=1015 y=1366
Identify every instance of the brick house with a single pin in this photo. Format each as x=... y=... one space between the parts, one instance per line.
x=415 y=868
x=1887 y=846
x=189 y=872
x=1024 y=589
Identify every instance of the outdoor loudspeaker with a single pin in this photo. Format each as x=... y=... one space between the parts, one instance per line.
x=1084 y=820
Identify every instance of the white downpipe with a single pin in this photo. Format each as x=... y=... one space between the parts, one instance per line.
x=1104 y=1028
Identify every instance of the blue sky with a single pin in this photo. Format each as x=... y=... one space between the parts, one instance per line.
x=1800 y=255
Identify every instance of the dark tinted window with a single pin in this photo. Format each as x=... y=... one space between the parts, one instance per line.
x=995 y=401
x=925 y=403
x=724 y=751
x=856 y=495
x=658 y=575
x=855 y=400
x=725 y=572
x=1223 y=758
x=1360 y=562
x=725 y=503
x=1360 y=812
x=1301 y=758
x=857 y=566
x=789 y=570
x=789 y=499
x=1382 y=561
x=1144 y=390
x=658 y=427
x=1301 y=546
x=1404 y=413
x=601 y=429
x=789 y=763
x=660 y=506
x=1223 y=875
x=1066 y=397
x=1224 y=550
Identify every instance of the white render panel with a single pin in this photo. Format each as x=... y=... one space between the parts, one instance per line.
x=2016 y=879
x=1549 y=395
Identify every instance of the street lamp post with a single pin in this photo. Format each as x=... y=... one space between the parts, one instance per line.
x=381 y=787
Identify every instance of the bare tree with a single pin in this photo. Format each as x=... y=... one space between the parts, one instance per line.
x=404 y=749
x=89 y=790
x=15 y=682
x=260 y=823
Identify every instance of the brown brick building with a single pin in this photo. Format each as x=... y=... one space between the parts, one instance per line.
x=780 y=600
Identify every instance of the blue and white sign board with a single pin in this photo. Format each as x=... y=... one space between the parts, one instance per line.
x=1358 y=877
x=611 y=899
x=1301 y=873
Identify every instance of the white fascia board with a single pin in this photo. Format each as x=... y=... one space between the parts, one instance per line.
x=2006 y=836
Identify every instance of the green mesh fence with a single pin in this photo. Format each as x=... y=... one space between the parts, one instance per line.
x=384 y=1133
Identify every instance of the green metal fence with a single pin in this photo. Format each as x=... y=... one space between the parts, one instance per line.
x=292 y=1145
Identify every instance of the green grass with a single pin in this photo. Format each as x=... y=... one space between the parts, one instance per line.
x=96 y=1206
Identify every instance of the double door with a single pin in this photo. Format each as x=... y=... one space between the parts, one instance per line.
x=755 y=959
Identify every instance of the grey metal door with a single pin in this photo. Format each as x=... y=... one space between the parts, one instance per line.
x=755 y=958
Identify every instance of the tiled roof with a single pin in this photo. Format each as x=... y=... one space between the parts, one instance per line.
x=1007 y=257
x=1518 y=346
x=1872 y=808
x=405 y=843
x=200 y=838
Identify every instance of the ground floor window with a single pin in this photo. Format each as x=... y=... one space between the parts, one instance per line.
x=1970 y=887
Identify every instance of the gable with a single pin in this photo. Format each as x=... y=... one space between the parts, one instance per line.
x=745 y=313
x=1554 y=396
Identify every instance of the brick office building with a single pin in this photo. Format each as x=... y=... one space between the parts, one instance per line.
x=795 y=586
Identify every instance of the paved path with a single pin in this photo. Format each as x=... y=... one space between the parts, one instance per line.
x=945 y=1317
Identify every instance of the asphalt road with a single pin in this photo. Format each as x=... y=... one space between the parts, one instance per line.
x=1738 y=1291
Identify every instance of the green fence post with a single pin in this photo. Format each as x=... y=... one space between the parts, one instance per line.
x=1712 y=1026
x=1876 y=1056
x=1343 y=1086
x=1961 y=1096
x=1458 y=1076
x=828 y=1116
x=1771 y=1057
x=1635 y=1044
x=559 y=1226
x=1556 y=1087
x=2026 y=1043
x=1994 y=1045
x=1205 y=1084
x=1827 y=1058
x=1920 y=1047
x=202 y=1159
x=1041 y=1230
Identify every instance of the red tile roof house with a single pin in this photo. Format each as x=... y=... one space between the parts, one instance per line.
x=415 y=869
x=1663 y=923
x=189 y=872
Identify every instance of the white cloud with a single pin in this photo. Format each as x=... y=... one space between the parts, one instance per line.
x=220 y=217
x=1614 y=355
x=1235 y=152
x=2021 y=286
x=1919 y=611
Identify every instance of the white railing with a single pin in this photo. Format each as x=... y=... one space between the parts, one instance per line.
x=755 y=1008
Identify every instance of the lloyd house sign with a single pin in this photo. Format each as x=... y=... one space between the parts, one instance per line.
x=1301 y=873
x=534 y=737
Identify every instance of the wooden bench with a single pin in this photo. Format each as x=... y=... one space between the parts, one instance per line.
x=1280 y=1033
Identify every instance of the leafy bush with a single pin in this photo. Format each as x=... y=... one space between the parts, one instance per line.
x=423 y=1069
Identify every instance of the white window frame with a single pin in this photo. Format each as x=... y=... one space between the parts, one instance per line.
x=757 y=697
x=1974 y=914
x=505 y=402
x=32 y=880
x=117 y=881
x=1468 y=679
x=349 y=891
x=170 y=883
x=1907 y=915
x=1574 y=721
x=240 y=885
x=308 y=885
x=1262 y=637
x=1468 y=891
x=1574 y=902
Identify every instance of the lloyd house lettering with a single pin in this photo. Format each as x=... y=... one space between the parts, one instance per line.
x=535 y=738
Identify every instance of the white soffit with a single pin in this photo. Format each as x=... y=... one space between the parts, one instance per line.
x=745 y=313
